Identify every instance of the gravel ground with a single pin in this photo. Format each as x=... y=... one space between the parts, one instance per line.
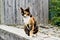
x=47 y=33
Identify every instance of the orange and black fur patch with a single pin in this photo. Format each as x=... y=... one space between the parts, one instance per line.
x=30 y=26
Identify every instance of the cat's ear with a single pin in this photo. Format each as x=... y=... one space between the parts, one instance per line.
x=27 y=9
x=22 y=10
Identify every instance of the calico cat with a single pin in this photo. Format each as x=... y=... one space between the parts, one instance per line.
x=30 y=27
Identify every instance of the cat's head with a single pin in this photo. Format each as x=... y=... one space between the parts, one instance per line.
x=25 y=12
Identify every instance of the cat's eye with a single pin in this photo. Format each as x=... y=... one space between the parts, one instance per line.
x=27 y=14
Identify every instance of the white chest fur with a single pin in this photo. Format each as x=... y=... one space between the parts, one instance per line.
x=26 y=19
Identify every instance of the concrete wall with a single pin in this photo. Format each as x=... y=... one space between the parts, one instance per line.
x=11 y=33
x=10 y=36
x=2 y=11
x=11 y=15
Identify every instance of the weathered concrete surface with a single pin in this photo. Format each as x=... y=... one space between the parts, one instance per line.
x=13 y=33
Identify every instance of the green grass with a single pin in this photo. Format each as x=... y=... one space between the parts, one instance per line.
x=54 y=12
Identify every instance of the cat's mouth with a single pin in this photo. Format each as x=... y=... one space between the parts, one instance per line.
x=24 y=16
